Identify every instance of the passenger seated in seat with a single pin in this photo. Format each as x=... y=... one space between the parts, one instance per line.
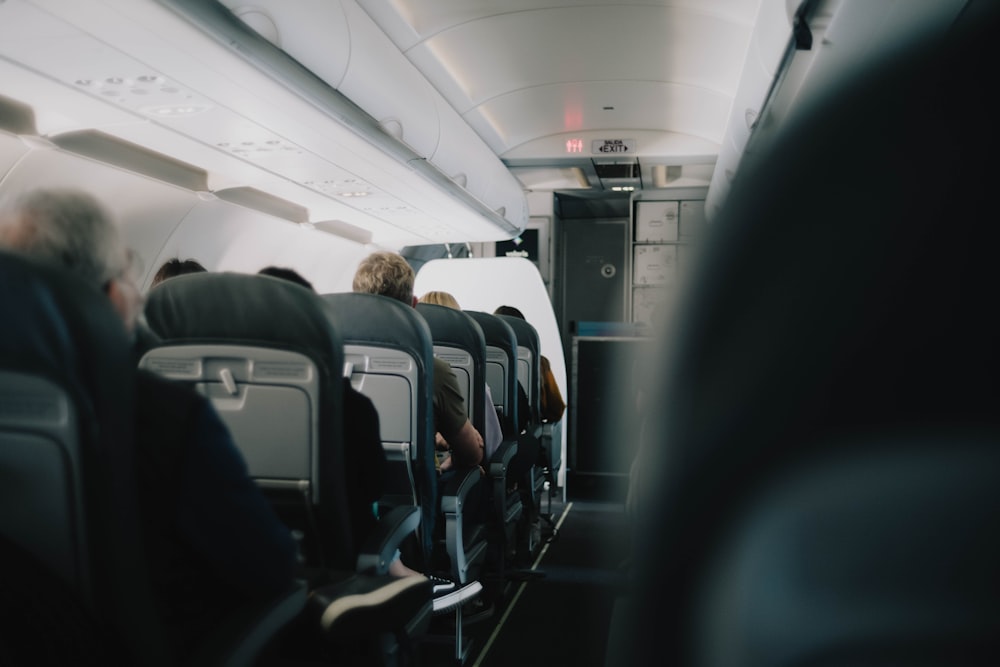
x=175 y=267
x=364 y=457
x=285 y=273
x=145 y=339
x=364 y=460
x=388 y=274
x=551 y=402
x=213 y=542
x=494 y=434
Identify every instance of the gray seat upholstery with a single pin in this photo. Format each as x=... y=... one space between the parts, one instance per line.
x=529 y=375
x=829 y=444
x=68 y=497
x=267 y=353
x=528 y=362
x=267 y=356
x=501 y=366
x=69 y=492
x=458 y=340
x=501 y=375
x=389 y=358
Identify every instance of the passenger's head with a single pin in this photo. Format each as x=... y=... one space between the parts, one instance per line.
x=439 y=298
x=285 y=273
x=176 y=267
x=509 y=310
x=69 y=228
x=385 y=273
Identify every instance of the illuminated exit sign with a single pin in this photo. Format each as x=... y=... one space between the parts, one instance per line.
x=613 y=146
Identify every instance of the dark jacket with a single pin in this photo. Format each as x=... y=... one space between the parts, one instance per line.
x=213 y=541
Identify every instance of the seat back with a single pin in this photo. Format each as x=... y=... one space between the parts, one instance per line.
x=501 y=366
x=266 y=353
x=529 y=372
x=458 y=340
x=529 y=376
x=829 y=439
x=389 y=356
x=68 y=495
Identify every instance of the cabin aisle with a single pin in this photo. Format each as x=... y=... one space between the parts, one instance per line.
x=563 y=617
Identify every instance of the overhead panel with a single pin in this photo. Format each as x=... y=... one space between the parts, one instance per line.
x=146 y=75
x=385 y=85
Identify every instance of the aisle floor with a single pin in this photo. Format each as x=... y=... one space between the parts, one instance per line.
x=561 y=614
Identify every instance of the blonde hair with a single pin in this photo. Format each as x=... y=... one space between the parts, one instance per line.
x=440 y=299
x=385 y=273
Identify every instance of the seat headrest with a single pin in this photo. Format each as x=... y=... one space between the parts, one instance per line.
x=496 y=331
x=826 y=302
x=375 y=319
x=245 y=308
x=453 y=327
x=525 y=334
x=844 y=291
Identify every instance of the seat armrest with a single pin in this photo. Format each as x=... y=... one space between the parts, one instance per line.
x=504 y=511
x=458 y=488
x=551 y=438
x=502 y=457
x=380 y=547
x=453 y=497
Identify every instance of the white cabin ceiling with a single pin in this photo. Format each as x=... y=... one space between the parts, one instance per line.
x=522 y=72
x=533 y=78
x=424 y=121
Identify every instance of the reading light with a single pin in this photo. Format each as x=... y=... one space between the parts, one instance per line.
x=174 y=110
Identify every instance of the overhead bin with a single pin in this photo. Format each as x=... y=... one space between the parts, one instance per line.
x=190 y=81
x=769 y=43
x=339 y=43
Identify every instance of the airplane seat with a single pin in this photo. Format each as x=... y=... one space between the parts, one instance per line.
x=74 y=582
x=459 y=341
x=528 y=363
x=501 y=376
x=267 y=353
x=529 y=374
x=258 y=348
x=389 y=358
x=829 y=444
